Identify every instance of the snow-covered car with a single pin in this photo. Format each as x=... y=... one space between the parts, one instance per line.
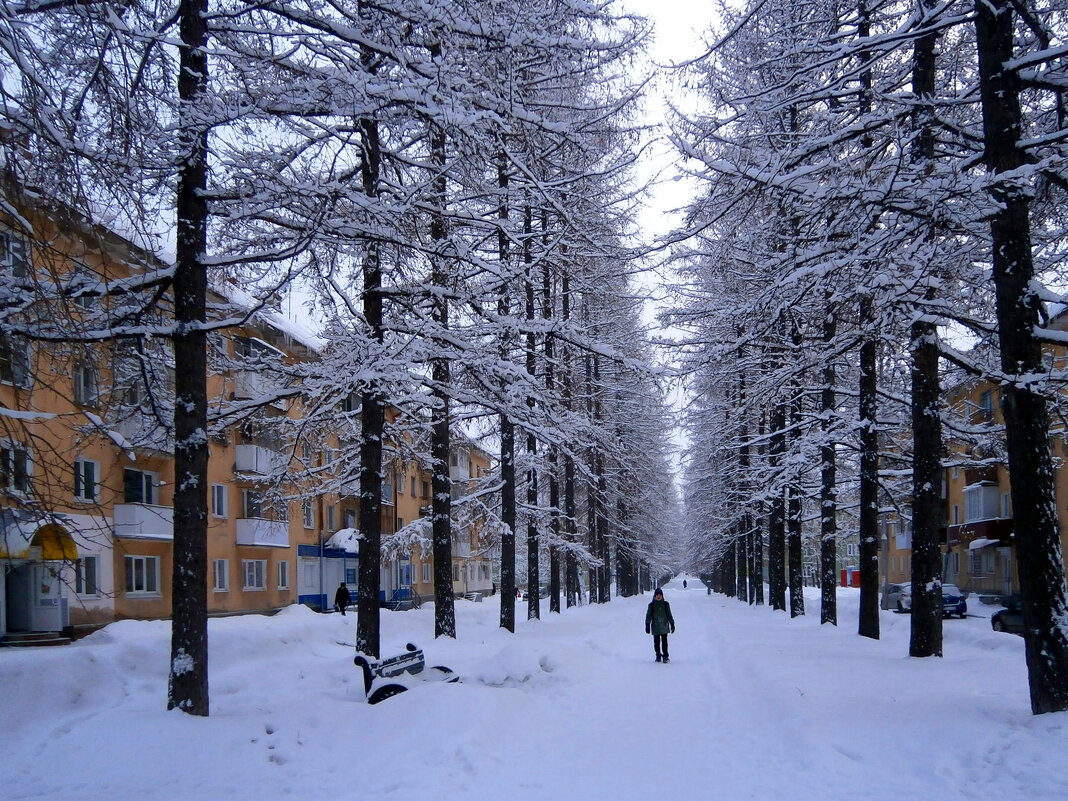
x=1009 y=619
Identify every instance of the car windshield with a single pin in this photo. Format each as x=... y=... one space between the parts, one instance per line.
x=949 y=589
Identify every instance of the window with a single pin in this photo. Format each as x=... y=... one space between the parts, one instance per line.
x=14 y=255
x=142 y=575
x=307 y=512
x=86 y=388
x=138 y=486
x=986 y=406
x=283 y=575
x=400 y=484
x=87 y=575
x=15 y=468
x=956 y=472
x=426 y=489
x=1006 y=505
x=220 y=575
x=426 y=572
x=330 y=514
x=400 y=523
x=351 y=403
x=255 y=573
x=413 y=487
x=455 y=571
x=350 y=518
x=85 y=479
x=956 y=514
x=218 y=500
x=252 y=503
x=14 y=361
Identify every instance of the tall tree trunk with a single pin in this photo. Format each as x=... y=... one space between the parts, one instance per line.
x=793 y=496
x=777 y=517
x=507 y=428
x=868 y=625
x=554 y=454
x=441 y=486
x=828 y=479
x=187 y=686
x=372 y=413
x=927 y=507
x=1031 y=472
x=533 y=544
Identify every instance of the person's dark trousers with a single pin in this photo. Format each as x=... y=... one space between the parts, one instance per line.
x=660 y=645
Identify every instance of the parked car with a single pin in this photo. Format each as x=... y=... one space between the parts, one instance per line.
x=1009 y=619
x=953 y=602
x=899 y=597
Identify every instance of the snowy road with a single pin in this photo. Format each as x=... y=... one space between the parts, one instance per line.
x=752 y=706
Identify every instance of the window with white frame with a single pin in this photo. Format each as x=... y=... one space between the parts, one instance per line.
x=218 y=500
x=252 y=503
x=14 y=255
x=86 y=385
x=14 y=361
x=414 y=493
x=87 y=575
x=401 y=481
x=426 y=572
x=1006 y=505
x=16 y=468
x=283 y=575
x=86 y=477
x=852 y=549
x=330 y=514
x=139 y=486
x=255 y=574
x=220 y=575
x=455 y=571
x=142 y=575
x=307 y=513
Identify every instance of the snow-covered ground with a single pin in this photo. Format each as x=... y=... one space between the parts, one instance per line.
x=753 y=706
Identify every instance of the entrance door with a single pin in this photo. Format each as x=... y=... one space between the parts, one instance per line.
x=46 y=613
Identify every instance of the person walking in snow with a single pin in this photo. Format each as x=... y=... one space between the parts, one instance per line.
x=659 y=623
x=342 y=598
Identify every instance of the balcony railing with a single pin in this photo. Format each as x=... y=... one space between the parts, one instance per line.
x=257 y=459
x=352 y=488
x=257 y=531
x=143 y=521
x=249 y=384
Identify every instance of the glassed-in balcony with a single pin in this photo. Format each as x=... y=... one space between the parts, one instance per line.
x=258 y=531
x=143 y=521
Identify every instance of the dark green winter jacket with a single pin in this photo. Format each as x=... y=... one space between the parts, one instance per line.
x=658 y=619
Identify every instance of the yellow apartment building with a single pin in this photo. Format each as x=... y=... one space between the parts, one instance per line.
x=86 y=467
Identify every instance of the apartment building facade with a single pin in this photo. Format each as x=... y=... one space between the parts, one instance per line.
x=87 y=473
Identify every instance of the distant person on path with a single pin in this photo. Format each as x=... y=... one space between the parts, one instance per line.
x=342 y=598
x=659 y=623
x=684 y=583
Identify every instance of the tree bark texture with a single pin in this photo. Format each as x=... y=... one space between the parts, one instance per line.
x=1031 y=472
x=187 y=685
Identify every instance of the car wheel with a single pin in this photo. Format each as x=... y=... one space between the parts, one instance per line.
x=900 y=608
x=998 y=625
x=963 y=615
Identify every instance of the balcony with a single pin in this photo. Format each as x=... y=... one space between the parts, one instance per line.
x=258 y=459
x=257 y=531
x=986 y=516
x=143 y=431
x=143 y=521
x=352 y=488
x=250 y=384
